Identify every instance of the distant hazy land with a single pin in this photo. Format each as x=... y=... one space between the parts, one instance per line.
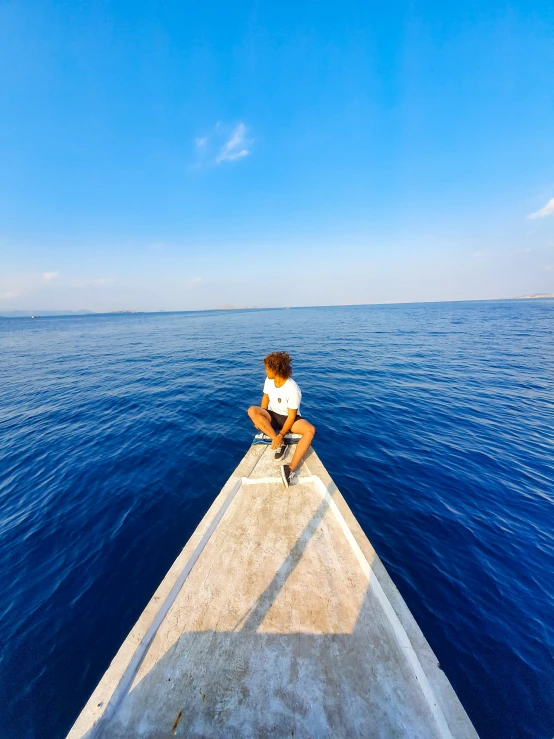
x=29 y=313
x=38 y=314
x=536 y=296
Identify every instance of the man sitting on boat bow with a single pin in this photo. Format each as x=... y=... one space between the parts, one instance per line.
x=279 y=413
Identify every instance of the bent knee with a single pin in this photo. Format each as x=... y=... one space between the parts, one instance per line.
x=311 y=430
x=252 y=411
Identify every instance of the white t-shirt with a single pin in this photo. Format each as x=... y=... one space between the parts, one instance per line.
x=284 y=397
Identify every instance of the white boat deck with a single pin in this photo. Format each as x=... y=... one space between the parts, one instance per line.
x=277 y=619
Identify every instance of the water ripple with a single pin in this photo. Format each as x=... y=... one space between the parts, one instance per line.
x=436 y=421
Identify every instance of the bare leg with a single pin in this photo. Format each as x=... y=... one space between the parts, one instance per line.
x=262 y=421
x=308 y=431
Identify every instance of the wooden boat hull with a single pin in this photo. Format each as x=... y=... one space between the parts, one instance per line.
x=277 y=619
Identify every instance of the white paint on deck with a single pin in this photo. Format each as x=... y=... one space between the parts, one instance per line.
x=277 y=619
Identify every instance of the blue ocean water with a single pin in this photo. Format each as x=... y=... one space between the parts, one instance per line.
x=435 y=420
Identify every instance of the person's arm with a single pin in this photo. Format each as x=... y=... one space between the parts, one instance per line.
x=294 y=399
x=265 y=401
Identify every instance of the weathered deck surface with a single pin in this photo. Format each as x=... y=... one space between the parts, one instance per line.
x=277 y=619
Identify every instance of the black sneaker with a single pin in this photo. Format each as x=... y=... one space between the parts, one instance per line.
x=289 y=477
x=281 y=451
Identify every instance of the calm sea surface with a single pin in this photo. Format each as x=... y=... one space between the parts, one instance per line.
x=435 y=420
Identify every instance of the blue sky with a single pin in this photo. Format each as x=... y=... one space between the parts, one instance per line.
x=183 y=155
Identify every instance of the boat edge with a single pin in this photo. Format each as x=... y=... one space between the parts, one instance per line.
x=458 y=721
x=104 y=700
x=89 y=721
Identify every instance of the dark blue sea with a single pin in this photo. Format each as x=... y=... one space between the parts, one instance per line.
x=435 y=420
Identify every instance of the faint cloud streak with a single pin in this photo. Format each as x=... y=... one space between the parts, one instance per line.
x=223 y=143
x=236 y=146
x=548 y=210
x=48 y=276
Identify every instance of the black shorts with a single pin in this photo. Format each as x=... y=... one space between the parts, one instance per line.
x=278 y=420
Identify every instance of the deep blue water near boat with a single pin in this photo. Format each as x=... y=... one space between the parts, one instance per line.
x=435 y=420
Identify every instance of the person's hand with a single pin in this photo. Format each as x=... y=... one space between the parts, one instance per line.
x=277 y=441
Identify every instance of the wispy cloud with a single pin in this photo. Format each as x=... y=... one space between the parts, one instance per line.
x=223 y=143
x=8 y=296
x=49 y=276
x=548 y=210
x=236 y=146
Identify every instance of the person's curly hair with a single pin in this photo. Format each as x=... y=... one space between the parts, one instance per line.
x=280 y=363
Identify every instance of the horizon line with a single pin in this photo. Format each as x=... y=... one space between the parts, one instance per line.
x=86 y=312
